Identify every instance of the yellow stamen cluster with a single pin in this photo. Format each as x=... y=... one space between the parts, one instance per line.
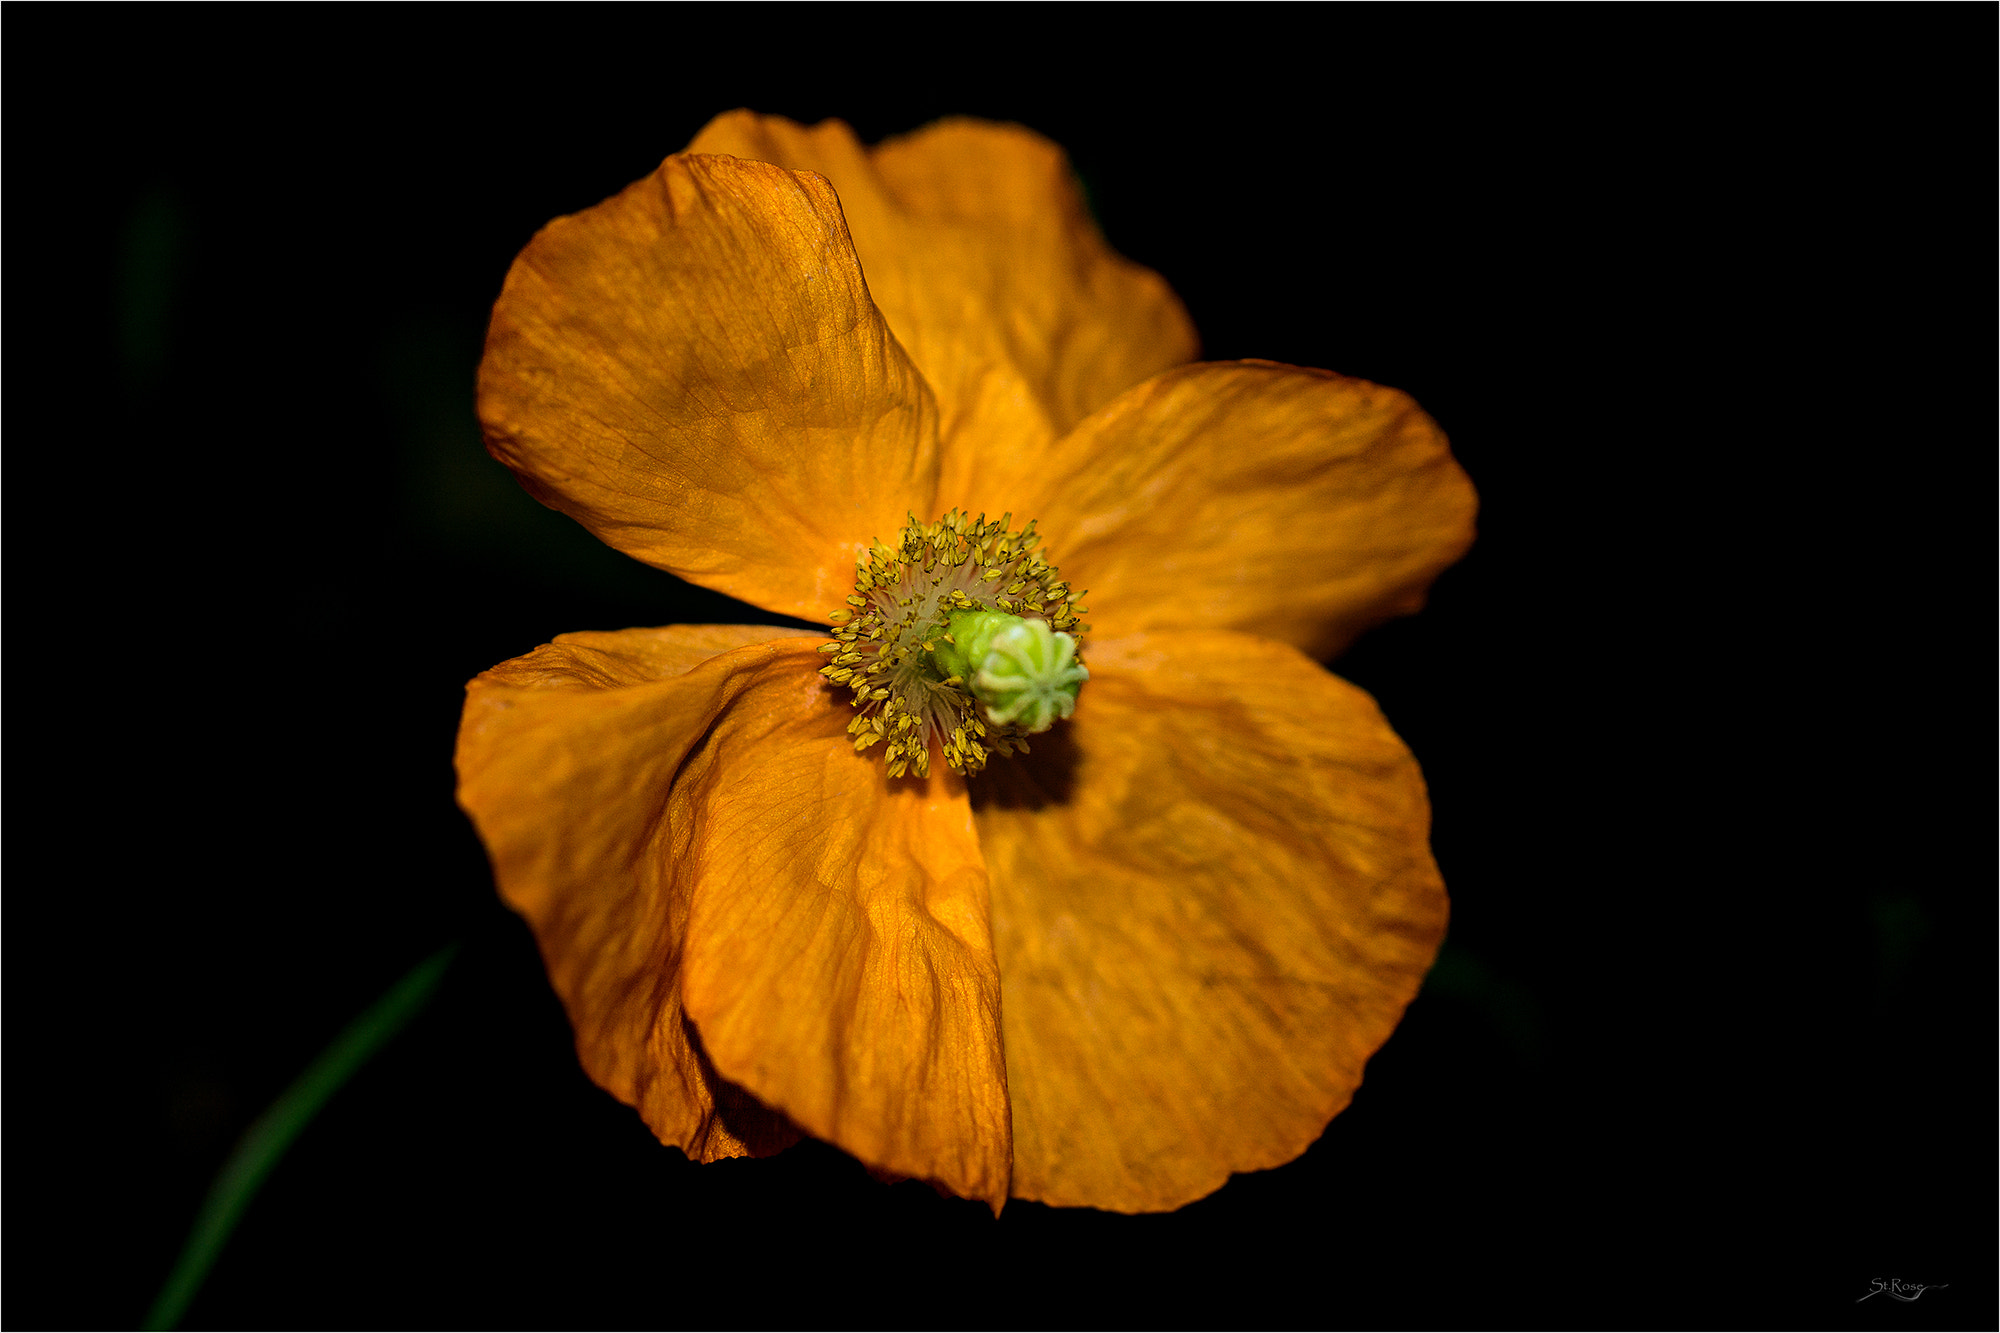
x=899 y=612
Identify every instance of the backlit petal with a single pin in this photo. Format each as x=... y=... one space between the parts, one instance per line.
x=732 y=902
x=1213 y=895
x=565 y=762
x=979 y=249
x=1295 y=504
x=840 y=958
x=695 y=371
x=734 y=905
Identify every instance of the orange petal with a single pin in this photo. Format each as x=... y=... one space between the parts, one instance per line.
x=979 y=249
x=1213 y=895
x=694 y=370
x=715 y=876
x=1295 y=504
x=565 y=760
x=839 y=961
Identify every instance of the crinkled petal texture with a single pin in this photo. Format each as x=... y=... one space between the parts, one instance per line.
x=695 y=371
x=1213 y=896
x=981 y=253
x=1296 y=504
x=1210 y=894
x=727 y=896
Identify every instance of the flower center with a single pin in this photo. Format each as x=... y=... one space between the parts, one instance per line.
x=960 y=635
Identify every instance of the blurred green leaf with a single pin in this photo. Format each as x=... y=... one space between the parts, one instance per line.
x=155 y=243
x=1511 y=1011
x=265 y=1142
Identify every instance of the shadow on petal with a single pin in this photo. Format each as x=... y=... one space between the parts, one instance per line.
x=1043 y=777
x=759 y=1129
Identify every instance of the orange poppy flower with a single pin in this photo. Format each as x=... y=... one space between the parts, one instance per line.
x=1155 y=950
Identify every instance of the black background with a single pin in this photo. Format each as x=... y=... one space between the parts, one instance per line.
x=1703 y=298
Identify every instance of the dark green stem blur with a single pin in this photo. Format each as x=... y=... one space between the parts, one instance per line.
x=266 y=1141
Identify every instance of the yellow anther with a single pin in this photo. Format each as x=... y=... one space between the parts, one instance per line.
x=892 y=650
